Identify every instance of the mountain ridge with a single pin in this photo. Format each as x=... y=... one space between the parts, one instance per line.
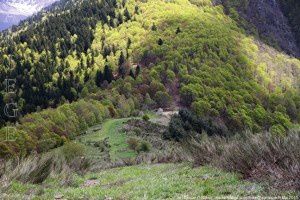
x=14 y=11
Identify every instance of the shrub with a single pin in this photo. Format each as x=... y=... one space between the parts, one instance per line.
x=137 y=145
x=261 y=156
x=133 y=143
x=278 y=130
x=187 y=124
x=34 y=169
x=175 y=130
x=162 y=99
x=201 y=107
x=146 y=118
x=143 y=147
x=72 y=150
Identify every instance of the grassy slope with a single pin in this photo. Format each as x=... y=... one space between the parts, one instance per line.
x=159 y=181
x=116 y=139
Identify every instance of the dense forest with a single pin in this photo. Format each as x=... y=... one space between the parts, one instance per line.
x=36 y=57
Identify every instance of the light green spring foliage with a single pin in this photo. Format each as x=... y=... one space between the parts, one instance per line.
x=51 y=128
x=220 y=68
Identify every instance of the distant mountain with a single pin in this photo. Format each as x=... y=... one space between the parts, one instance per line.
x=13 y=11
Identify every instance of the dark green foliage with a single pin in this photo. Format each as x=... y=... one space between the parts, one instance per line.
x=122 y=70
x=108 y=76
x=187 y=124
x=121 y=59
x=143 y=147
x=127 y=14
x=99 y=78
x=154 y=27
x=178 y=30
x=160 y=42
x=162 y=99
x=128 y=43
x=136 y=9
x=137 y=71
x=176 y=130
x=131 y=73
x=138 y=146
x=146 y=118
x=120 y=18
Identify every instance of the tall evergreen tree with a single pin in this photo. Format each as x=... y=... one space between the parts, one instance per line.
x=131 y=73
x=127 y=14
x=137 y=71
x=99 y=78
x=108 y=76
x=122 y=69
x=120 y=18
x=160 y=42
x=121 y=59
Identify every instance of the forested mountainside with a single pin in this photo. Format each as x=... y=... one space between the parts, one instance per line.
x=137 y=55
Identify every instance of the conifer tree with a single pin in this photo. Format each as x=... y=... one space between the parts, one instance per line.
x=137 y=71
x=108 y=76
x=120 y=18
x=131 y=74
x=121 y=59
x=99 y=78
x=154 y=27
x=160 y=42
x=127 y=14
x=178 y=30
x=136 y=10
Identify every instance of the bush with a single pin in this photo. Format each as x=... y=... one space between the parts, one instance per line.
x=187 y=124
x=146 y=118
x=263 y=157
x=72 y=150
x=133 y=143
x=162 y=99
x=139 y=146
x=143 y=147
x=176 y=130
